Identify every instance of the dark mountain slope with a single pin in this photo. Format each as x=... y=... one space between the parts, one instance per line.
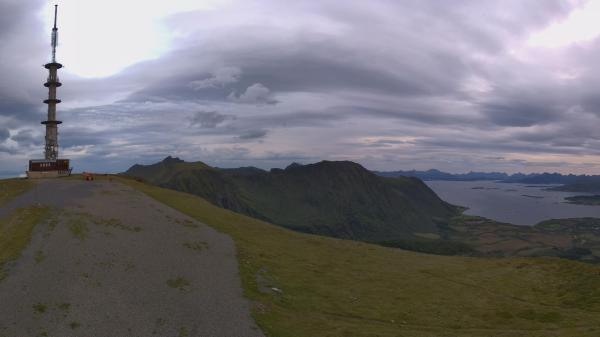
x=196 y=178
x=340 y=199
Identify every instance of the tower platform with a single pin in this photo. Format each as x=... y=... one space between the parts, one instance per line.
x=51 y=122
x=54 y=83
x=53 y=65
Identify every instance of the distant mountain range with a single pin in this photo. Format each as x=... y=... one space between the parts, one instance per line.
x=340 y=199
x=439 y=175
x=532 y=178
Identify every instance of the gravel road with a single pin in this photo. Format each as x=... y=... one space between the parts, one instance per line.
x=114 y=262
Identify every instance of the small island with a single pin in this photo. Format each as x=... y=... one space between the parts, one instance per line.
x=590 y=200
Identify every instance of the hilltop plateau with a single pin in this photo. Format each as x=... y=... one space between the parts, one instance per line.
x=102 y=258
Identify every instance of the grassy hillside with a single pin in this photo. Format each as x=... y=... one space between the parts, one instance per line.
x=577 y=239
x=305 y=285
x=340 y=199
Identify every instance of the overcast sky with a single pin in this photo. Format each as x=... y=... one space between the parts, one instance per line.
x=455 y=85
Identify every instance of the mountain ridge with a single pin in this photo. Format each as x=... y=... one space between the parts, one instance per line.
x=334 y=198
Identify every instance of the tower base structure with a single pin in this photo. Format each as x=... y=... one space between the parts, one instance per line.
x=42 y=168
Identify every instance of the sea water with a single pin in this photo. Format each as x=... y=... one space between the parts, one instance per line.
x=518 y=204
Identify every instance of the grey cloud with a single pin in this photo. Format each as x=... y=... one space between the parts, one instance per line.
x=421 y=114
x=338 y=72
x=256 y=93
x=14 y=12
x=569 y=142
x=253 y=134
x=297 y=119
x=209 y=119
x=27 y=138
x=506 y=145
x=264 y=68
x=525 y=113
x=72 y=137
x=21 y=111
x=220 y=78
x=7 y=149
x=384 y=143
x=4 y=134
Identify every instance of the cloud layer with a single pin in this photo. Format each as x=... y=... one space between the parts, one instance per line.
x=391 y=84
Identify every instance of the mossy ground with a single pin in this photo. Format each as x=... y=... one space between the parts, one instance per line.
x=306 y=285
x=17 y=227
x=16 y=231
x=10 y=188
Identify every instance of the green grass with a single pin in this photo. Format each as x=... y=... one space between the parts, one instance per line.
x=115 y=223
x=196 y=245
x=64 y=306
x=10 y=188
x=78 y=227
x=40 y=308
x=16 y=231
x=39 y=256
x=332 y=287
x=183 y=332
x=179 y=283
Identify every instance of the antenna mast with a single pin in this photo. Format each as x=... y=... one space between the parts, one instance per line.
x=54 y=35
x=52 y=83
x=51 y=165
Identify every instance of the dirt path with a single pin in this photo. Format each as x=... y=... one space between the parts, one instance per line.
x=113 y=262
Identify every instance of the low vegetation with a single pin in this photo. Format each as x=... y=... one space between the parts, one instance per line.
x=10 y=188
x=305 y=285
x=64 y=306
x=590 y=200
x=575 y=239
x=40 y=308
x=114 y=223
x=179 y=283
x=39 y=256
x=196 y=245
x=16 y=231
x=78 y=227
